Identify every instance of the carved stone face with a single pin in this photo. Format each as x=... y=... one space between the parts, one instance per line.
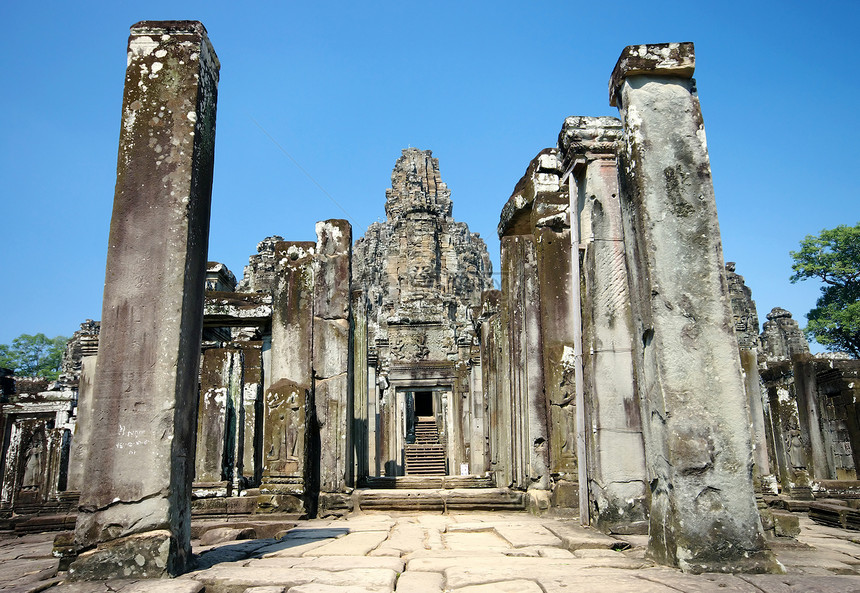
x=422 y=274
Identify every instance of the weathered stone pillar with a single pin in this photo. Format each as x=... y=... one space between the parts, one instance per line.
x=521 y=323
x=695 y=415
x=496 y=388
x=478 y=405
x=809 y=414
x=135 y=500
x=83 y=425
x=746 y=332
x=361 y=427
x=290 y=395
x=217 y=420
x=617 y=478
x=752 y=385
x=332 y=354
x=250 y=463
x=374 y=467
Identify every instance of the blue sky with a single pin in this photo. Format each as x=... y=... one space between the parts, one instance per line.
x=344 y=86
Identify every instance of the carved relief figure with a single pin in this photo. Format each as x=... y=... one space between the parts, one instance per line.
x=285 y=432
x=33 y=463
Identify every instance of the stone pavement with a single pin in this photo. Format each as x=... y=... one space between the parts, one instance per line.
x=457 y=553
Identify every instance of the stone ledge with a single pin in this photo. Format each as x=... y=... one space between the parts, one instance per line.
x=655 y=59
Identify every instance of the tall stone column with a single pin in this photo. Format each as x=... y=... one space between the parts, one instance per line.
x=135 y=499
x=250 y=462
x=217 y=420
x=289 y=398
x=83 y=425
x=332 y=354
x=809 y=414
x=617 y=480
x=694 y=409
x=360 y=382
x=521 y=320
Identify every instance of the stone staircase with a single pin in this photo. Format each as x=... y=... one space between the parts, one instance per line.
x=426 y=456
x=426 y=485
x=444 y=499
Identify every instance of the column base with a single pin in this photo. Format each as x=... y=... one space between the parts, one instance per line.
x=145 y=555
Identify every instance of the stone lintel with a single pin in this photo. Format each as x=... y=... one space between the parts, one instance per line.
x=237 y=309
x=589 y=138
x=652 y=59
x=542 y=175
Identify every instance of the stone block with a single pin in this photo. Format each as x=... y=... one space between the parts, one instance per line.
x=220 y=535
x=141 y=556
x=241 y=505
x=419 y=582
x=331 y=347
x=565 y=494
x=786 y=524
x=279 y=503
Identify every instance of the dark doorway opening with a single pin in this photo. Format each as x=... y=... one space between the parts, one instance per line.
x=423 y=403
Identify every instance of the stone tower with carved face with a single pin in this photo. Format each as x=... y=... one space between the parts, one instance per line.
x=422 y=271
x=422 y=274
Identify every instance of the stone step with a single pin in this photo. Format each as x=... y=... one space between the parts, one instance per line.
x=473 y=499
x=425 y=459
x=835 y=515
x=429 y=482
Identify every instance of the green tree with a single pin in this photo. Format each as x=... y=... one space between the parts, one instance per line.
x=833 y=256
x=34 y=356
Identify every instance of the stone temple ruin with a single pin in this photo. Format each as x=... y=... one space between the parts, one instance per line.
x=618 y=375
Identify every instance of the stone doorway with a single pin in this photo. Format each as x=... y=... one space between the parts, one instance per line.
x=423 y=449
x=423 y=404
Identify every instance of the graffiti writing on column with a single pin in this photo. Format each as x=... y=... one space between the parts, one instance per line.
x=131 y=439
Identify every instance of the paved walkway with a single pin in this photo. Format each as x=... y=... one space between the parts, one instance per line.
x=457 y=553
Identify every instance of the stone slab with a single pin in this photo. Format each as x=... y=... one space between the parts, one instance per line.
x=555 y=576
x=420 y=582
x=331 y=562
x=237 y=579
x=516 y=586
x=522 y=535
x=353 y=544
x=576 y=538
x=478 y=542
x=323 y=588
x=798 y=584
x=131 y=586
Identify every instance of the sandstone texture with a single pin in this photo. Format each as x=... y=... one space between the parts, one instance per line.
x=147 y=370
x=697 y=439
x=447 y=553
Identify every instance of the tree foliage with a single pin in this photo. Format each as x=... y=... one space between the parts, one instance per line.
x=34 y=356
x=833 y=256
